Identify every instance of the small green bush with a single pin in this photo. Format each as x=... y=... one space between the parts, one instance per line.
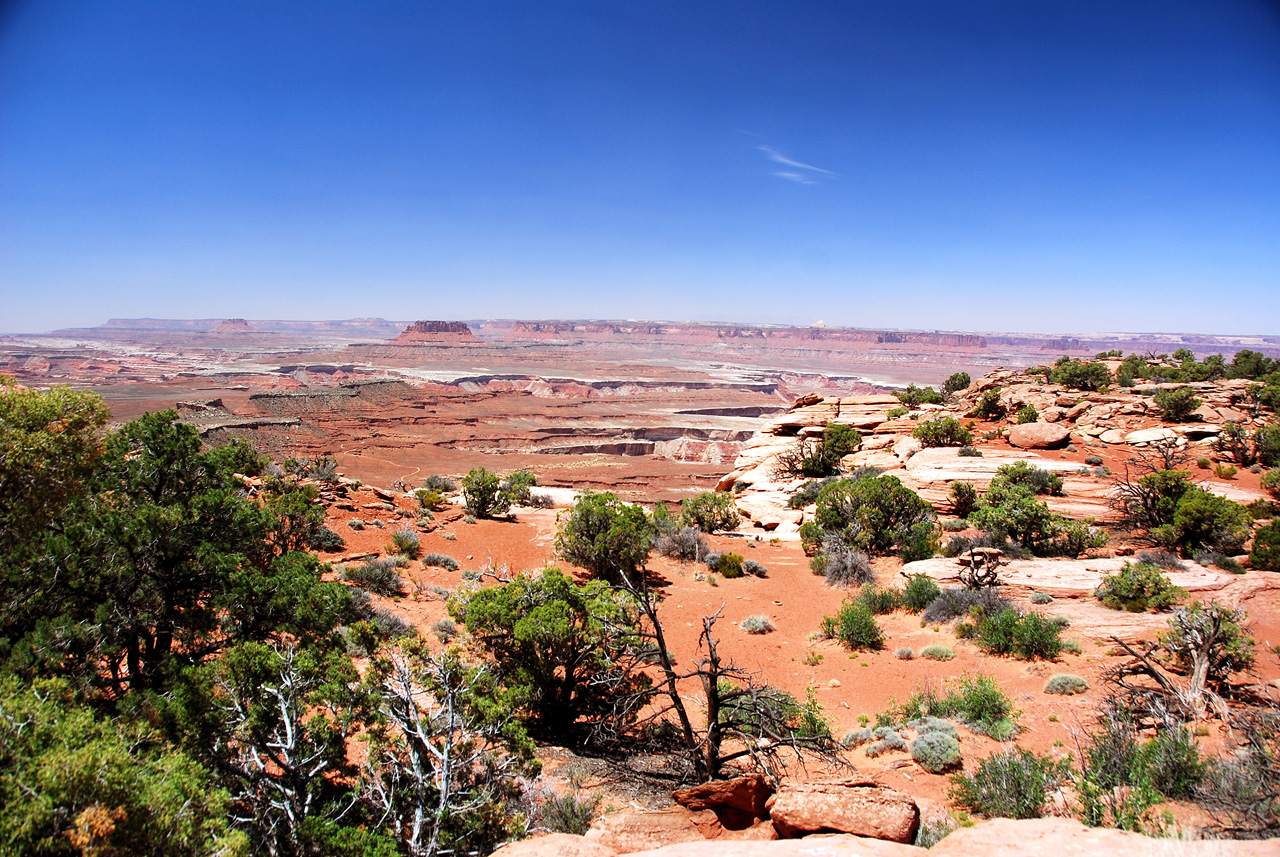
x=1176 y=405
x=1266 y=547
x=855 y=626
x=958 y=601
x=436 y=482
x=936 y=752
x=1065 y=684
x=483 y=494
x=1137 y=588
x=1093 y=460
x=729 y=565
x=905 y=653
x=710 y=511
x=989 y=406
x=377 y=575
x=1270 y=482
x=977 y=701
x=1025 y=473
x=404 y=542
x=1041 y=598
x=891 y=741
x=956 y=382
x=937 y=653
x=919 y=592
x=1011 y=784
x=757 y=625
x=942 y=431
x=430 y=501
x=753 y=568
x=1027 y=414
x=964 y=498
x=878 y=600
x=1028 y=637
x=895 y=413
x=1080 y=374
x=969 y=452
x=914 y=397
x=843 y=566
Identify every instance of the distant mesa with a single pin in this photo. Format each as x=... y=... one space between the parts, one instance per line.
x=234 y=325
x=435 y=333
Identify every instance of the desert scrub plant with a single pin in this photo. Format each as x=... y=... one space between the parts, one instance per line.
x=710 y=511
x=1014 y=783
x=878 y=515
x=955 y=601
x=685 y=544
x=954 y=525
x=483 y=494
x=842 y=565
x=1225 y=471
x=956 y=382
x=1029 y=637
x=1161 y=559
x=914 y=397
x=1204 y=463
x=936 y=652
x=443 y=484
x=989 y=407
x=376 y=575
x=1080 y=374
x=1265 y=553
x=439 y=560
x=1041 y=598
x=1027 y=414
x=919 y=593
x=756 y=625
x=356 y=524
x=855 y=626
x=808 y=492
x=1137 y=588
x=895 y=413
x=1093 y=460
x=753 y=568
x=936 y=752
x=1176 y=405
x=977 y=701
x=905 y=653
x=404 y=542
x=570 y=813
x=891 y=741
x=879 y=600
x=445 y=630
x=969 y=452
x=812 y=658
x=729 y=565
x=1065 y=684
x=1038 y=480
x=932 y=832
x=942 y=431
x=964 y=498
x=430 y=501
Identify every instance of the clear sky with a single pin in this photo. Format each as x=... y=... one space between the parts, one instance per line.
x=1021 y=165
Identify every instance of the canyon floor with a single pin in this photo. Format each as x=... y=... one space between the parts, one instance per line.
x=656 y=415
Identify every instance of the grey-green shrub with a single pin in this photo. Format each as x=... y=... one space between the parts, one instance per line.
x=1066 y=684
x=936 y=752
x=756 y=625
x=892 y=741
x=919 y=592
x=1041 y=598
x=937 y=653
x=439 y=560
x=905 y=653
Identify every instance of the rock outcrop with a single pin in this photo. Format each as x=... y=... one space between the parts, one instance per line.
x=436 y=333
x=859 y=807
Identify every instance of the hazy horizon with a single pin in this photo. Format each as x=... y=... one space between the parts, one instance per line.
x=998 y=167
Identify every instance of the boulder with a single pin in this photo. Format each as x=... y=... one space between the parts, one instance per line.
x=738 y=802
x=1150 y=435
x=625 y=832
x=1057 y=837
x=860 y=807
x=813 y=846
x=555 y=845
x=1039 y=436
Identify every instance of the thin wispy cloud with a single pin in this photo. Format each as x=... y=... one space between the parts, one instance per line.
x=794 y=177
x=774 y=155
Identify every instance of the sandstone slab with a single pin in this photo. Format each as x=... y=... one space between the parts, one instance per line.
x=860 y=807
x=744 y=795
x=1039 y=436
x=1063 y=837
x=1150 y=435
x=811 y=846
x=555 y=845
x=625 y=832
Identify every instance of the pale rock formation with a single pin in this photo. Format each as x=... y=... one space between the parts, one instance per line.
x=860 y=807
x=1039 y=436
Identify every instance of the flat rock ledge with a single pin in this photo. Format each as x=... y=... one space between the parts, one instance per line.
x=1001 y=837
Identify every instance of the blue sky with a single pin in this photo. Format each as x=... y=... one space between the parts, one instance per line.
x=1016 y=165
